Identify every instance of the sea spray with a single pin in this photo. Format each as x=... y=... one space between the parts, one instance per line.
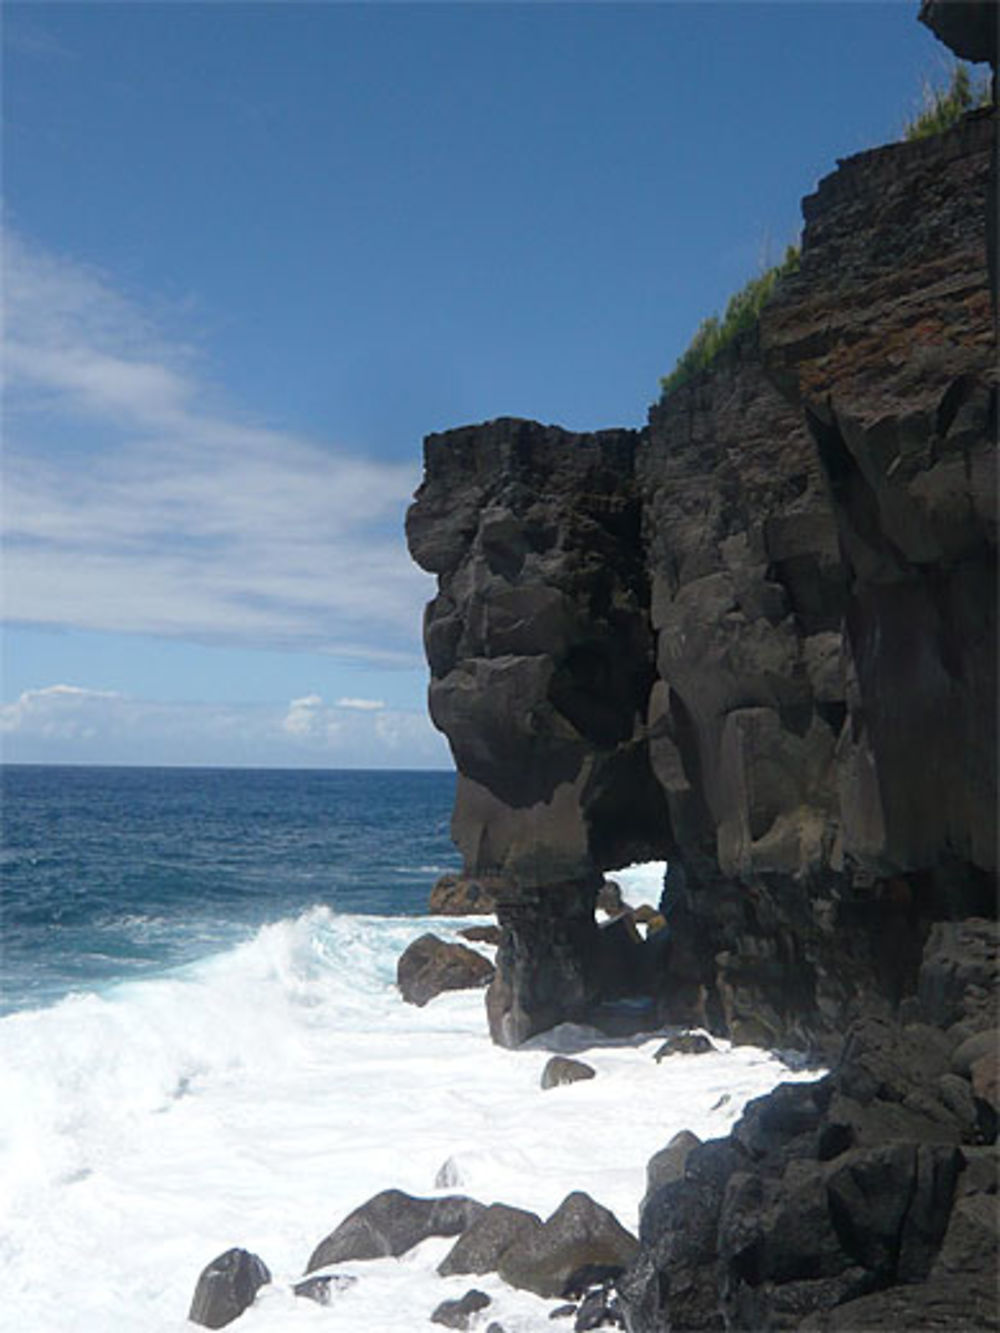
x=255 y=1097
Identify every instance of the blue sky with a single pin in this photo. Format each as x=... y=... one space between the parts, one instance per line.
x=253 y=253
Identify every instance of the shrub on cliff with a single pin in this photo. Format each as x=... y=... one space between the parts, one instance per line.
x=944 y=107
x=714 y=333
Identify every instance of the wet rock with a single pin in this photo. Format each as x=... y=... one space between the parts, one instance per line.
x=669 y=1163
x=890 y=1206
x=583 y=1279
x=563 y=1312
x=645 y=913
x=599 y=1309
x=986 y=1079
x=579 y=1232
x=391 y=1223
x=943 y=1305
x=321 y=1289
x=561 y=1069
x=456 y=895
x=481 y=934
x=227 y=1286
x=971 y=1243
x=685 y=1043
x=609 y=898
x=429 y=966
x=959 y=974
x=973 y=1048
x=480 y=1246
x=459 y=1313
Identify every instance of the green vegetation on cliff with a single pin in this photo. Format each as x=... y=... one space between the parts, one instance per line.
x=944 y=107
x=714 y=333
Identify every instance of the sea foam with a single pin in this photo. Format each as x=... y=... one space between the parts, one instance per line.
x=254 y=1098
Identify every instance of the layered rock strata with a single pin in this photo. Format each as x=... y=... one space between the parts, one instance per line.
x=756 y=638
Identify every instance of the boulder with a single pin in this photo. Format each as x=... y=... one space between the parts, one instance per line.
x=959 y=974
x=609 y=898
x=481 y=934
x=321 y=1289
x=944 y=1305
x=431 y=965
x=590 y=1276
x=972 y=1242
x=986 y=1079
x=561 y=1069
x=391 y=1223
x=598 y=1309
x=669 y=1163
x=227 y=1286
x=685 y=1043
x=973 y=1048
x=579 y=1232
x=645 y=913
x=459 y=1313
x=480 y=1246
x=454 y=895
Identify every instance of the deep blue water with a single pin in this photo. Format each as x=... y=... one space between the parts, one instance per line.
x=108 y=874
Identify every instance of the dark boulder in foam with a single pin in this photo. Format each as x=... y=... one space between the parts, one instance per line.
x=227 y=1286
x=430 y=965
x=579 y=1232
x=391 y=1223
x=494 y=1231
x=459 y=1313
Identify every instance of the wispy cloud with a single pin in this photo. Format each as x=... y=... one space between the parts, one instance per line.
x=134 y=502
x=69 y=724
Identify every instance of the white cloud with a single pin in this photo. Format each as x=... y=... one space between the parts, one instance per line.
x=364 y=705
x=304 y=716
x=72 y=724
x=134 y=503
x=57 y=711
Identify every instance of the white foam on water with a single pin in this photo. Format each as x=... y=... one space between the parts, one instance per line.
x=257 y=1097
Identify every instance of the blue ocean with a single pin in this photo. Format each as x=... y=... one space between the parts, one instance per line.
x=203 y=1046
x=117 y=873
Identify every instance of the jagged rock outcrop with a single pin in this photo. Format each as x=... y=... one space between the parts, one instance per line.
x=836 y=1203
x=541 y=662
x=756 y=638
x=969 y=27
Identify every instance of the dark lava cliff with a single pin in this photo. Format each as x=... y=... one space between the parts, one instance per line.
x=758 y=639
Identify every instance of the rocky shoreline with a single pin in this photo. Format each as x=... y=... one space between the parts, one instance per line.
x=864 y=1200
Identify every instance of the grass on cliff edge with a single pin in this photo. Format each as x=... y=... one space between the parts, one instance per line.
x=944 y=107
x=714 y=333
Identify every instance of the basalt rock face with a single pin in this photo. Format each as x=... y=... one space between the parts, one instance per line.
x=756 y=638
x=541 y=659
x=969 y=27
